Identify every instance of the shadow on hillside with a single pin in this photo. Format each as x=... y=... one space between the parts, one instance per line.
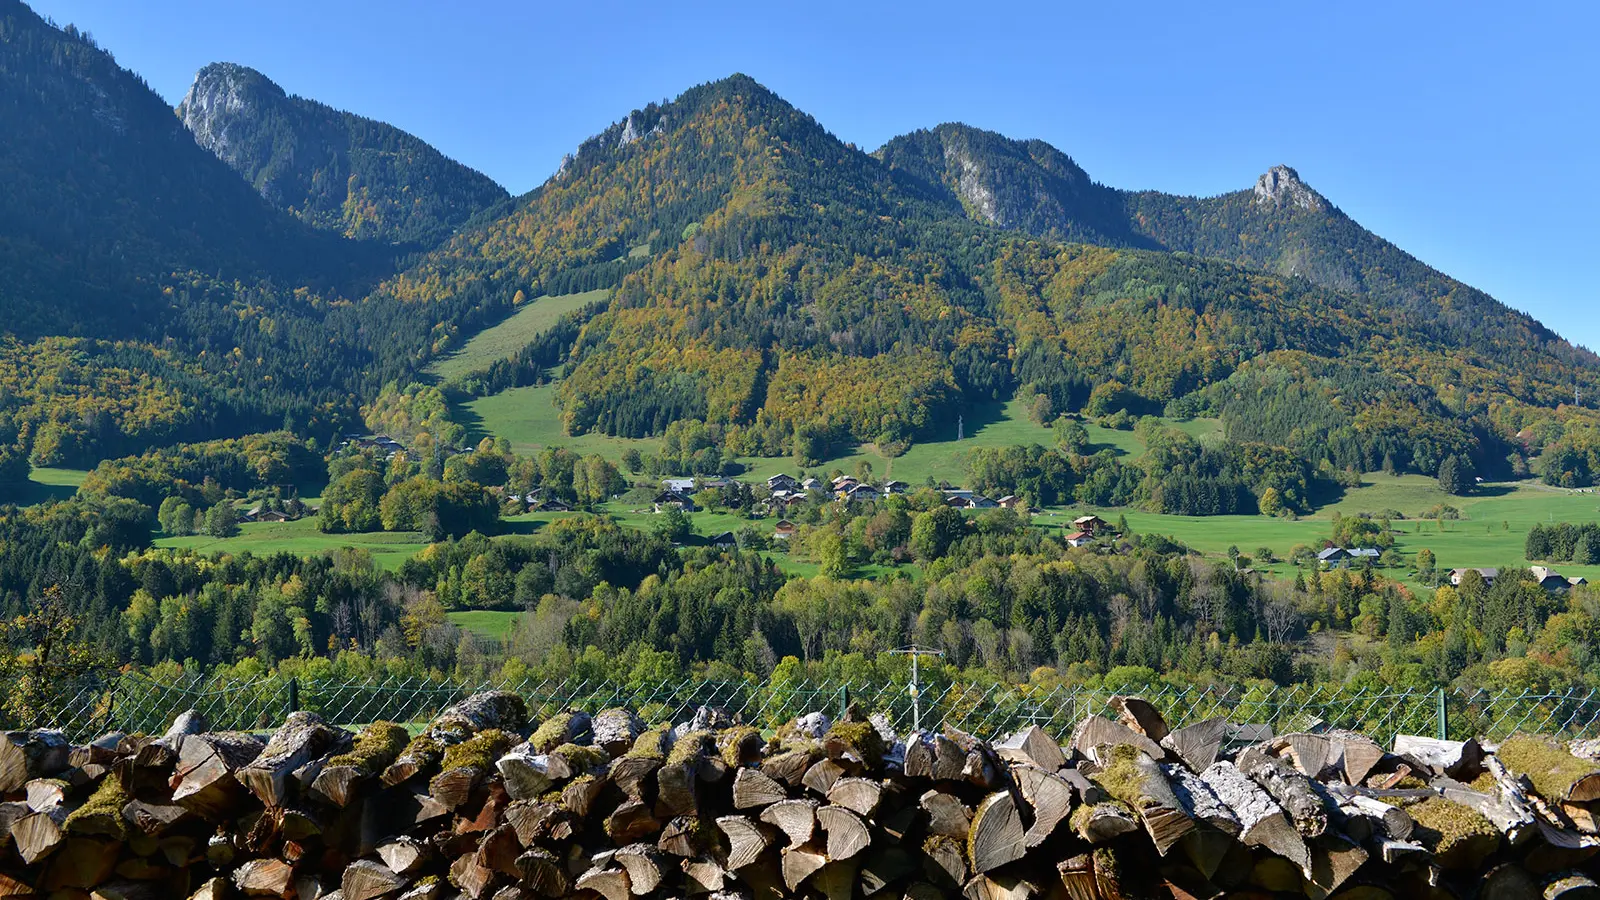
x=469 y=419
x=524 y=527
x=34 y=493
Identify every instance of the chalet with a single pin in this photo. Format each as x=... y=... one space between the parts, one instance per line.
x=1079 y=538
x=272 y=515
x=684 y=486
x=951 y=493
x=673 y=500
x=716 y=483
x=782 y=482
x=1555 y=582
x=860 y=493
x=844 y=483
x=1090 y=525
x=981 y=502
x=1011 y=501
x=785 y=530
x=723 y=541
x=895 y=487
x=813 y=483
x=1340 y=558
x=1489 y=575
x=554 y=505
x=958 y=502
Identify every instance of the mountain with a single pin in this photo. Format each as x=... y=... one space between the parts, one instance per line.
x=775 y=282
x=334 y=170
x=150 y=294
x=1280 y=225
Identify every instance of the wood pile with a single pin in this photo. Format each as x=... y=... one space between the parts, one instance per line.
x=487 y=805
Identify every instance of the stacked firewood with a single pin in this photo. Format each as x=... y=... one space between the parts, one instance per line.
x=485 y=803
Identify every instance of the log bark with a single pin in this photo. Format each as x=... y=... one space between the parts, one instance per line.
x=1572 y=886
x=789 y=767
x=615 y=730
x=997 y=836
x=1199 y=802
x=302 y=738
x=1292 y=790
x=1262 y=822
x=682 y=838
x=1453 y=758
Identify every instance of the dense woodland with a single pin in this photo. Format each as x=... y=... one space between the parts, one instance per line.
x=203 y=333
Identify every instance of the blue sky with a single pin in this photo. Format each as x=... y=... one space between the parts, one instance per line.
x=1464 y=132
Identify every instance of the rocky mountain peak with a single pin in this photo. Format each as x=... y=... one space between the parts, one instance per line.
x=1281 y=186
x=221 y=94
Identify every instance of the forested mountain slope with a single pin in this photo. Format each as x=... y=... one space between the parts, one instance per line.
x=1281 y=225
x=777 y=281
x=332 y=169
x=151 y=294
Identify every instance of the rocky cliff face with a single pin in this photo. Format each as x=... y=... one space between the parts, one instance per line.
x=223 y=101
x=1281 y=186
x=332 y=169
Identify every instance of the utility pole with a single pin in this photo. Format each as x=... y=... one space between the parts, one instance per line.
x=961 y=428
x=914 y=651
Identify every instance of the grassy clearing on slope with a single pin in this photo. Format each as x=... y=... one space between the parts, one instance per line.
x=503 y=340
x=490 y=623
x=388 y=549
x=47 y=484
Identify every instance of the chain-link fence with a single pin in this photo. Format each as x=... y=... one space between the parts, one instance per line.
x=134 y=702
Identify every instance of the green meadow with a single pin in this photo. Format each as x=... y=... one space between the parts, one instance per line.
x=388 y=549
x=504 y=339
x=46 y=484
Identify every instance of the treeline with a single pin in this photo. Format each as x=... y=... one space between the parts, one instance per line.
x=1564 y=542
x=1178 y=474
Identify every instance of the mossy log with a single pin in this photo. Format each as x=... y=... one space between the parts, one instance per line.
x=1137 y=780
x=1553 y=771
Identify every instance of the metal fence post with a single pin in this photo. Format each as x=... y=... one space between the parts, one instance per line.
x=844 y=701
x=1444 y=718
x=294 y=696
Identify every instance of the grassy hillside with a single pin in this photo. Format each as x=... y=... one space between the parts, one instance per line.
x=503 y=340
x=302 y=538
